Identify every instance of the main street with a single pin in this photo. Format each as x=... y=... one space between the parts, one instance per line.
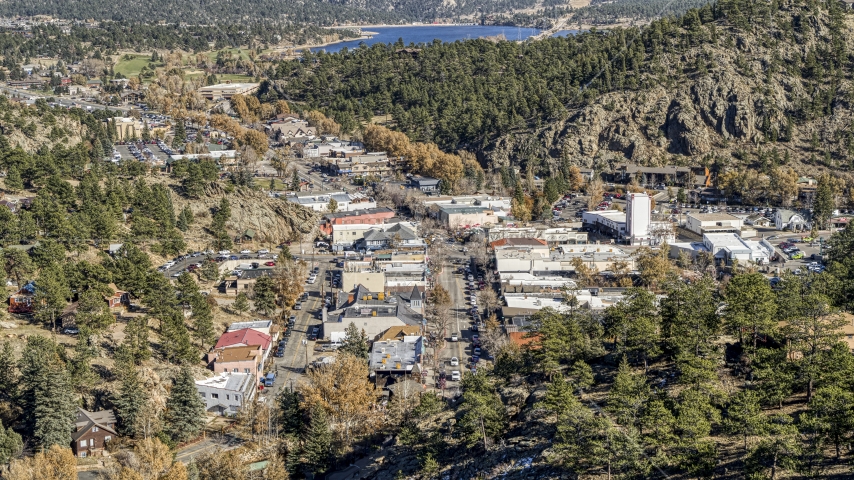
x=459 y=324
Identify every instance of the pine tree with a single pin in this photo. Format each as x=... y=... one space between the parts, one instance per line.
x=177 y=346
x=355 y=342
x=295 y=180
x=46 y=397
x=130 y=401
x=11 y=444
x=180 y=134
x=290 y=412
x=80 y=367
x=317 y=441
x=146 y=132
x=264 y=293
x=8 y=373
x=628 y=394
x=241 y=304
x=185 y=411
x=13 y=180
x=745 y=417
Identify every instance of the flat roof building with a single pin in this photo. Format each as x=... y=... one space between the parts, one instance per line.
x=701 y=223
x=224 y=91
x=390 y=357
x=226 y=393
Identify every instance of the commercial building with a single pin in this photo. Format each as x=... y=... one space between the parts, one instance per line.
x=346 y=202
x=425 y=184
x=606 y=222
x=224 y=91
x=373 y=312
x=127 y=128
x=368 y=216
x=263 y=326
x=461 y=216
x=701 y=223
x=227 y=393
x=552 y=236
x=372 y=164
x=397 y=357
x=726 y=247
x=236 y=359
x=599 y=257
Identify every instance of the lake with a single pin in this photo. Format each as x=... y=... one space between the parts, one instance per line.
x=428 y=33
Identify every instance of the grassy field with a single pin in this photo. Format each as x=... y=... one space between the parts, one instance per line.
x=131 y=68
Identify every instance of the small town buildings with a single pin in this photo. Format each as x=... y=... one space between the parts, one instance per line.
x=224 y=91
x=227 y=393
x=396 y=236
x=534 y=245
x=397 y=357
x=606 y=222
x=92 y=432
x=236 y=359
x=757 y=220
x=552 y=236
x=246 y=337
x=118 y=298
x=789 y=220
x=425 y=184
x=701 y=223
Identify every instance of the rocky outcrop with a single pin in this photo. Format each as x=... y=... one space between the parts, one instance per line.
x=733 y=94
x=273 y=220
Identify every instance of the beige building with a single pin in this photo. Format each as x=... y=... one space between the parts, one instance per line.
x=127 y=128
x=456 y=216
x=701 y=223
x=224 y=91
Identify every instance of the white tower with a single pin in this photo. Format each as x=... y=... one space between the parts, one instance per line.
x=638 y=215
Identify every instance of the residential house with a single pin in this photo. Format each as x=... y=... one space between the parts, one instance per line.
x=425 y=184
x=118 y=298
x=227 y=393
x=236 y=359
x=789 y=220
x=22 y=300
x=92 y=432
x=757 y=220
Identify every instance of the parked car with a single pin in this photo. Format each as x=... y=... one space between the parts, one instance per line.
x=455 y=375
x=298 y=306
x=70 y=331
x=455 y=362
x=245 y=251
x=270 y=264
x=455 y=337
x=269 y=379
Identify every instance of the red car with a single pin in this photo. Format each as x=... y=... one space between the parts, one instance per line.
x=270 y=264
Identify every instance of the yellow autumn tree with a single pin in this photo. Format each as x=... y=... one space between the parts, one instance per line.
x=324 y=125
x=344 y=391
x=282 y=107
x=381 y=139
x=55 y=463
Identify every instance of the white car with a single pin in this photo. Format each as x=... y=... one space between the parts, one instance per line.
x=455 y=362
x=455 y=337
x=263 y=251
x=312 y=280
x=455 y=375
x=225 y=252
x=246 y=251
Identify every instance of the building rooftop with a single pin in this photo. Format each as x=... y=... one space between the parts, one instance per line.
x=235 y=382
x=712 y=217
x=237 y=354
x=246 y=336
x=257 y=324
x=519 y=242
x=390 y=355
x=359 y=213
x=227 y=86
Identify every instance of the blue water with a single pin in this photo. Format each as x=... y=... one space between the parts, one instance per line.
x=428 y=33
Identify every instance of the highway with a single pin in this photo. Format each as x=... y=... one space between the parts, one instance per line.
x=64 y=101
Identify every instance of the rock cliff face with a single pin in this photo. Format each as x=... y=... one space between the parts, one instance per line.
x=274 y=220
x=741 y=92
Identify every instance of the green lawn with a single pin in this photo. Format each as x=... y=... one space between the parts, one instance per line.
x=131 y=68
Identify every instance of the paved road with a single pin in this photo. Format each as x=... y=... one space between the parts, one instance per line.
x=461 y=324
x=291 y=366
x=64 y=101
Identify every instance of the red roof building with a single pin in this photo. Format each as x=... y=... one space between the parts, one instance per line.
x=244 y=338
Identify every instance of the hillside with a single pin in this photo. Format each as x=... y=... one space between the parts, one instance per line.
x=765 y=83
